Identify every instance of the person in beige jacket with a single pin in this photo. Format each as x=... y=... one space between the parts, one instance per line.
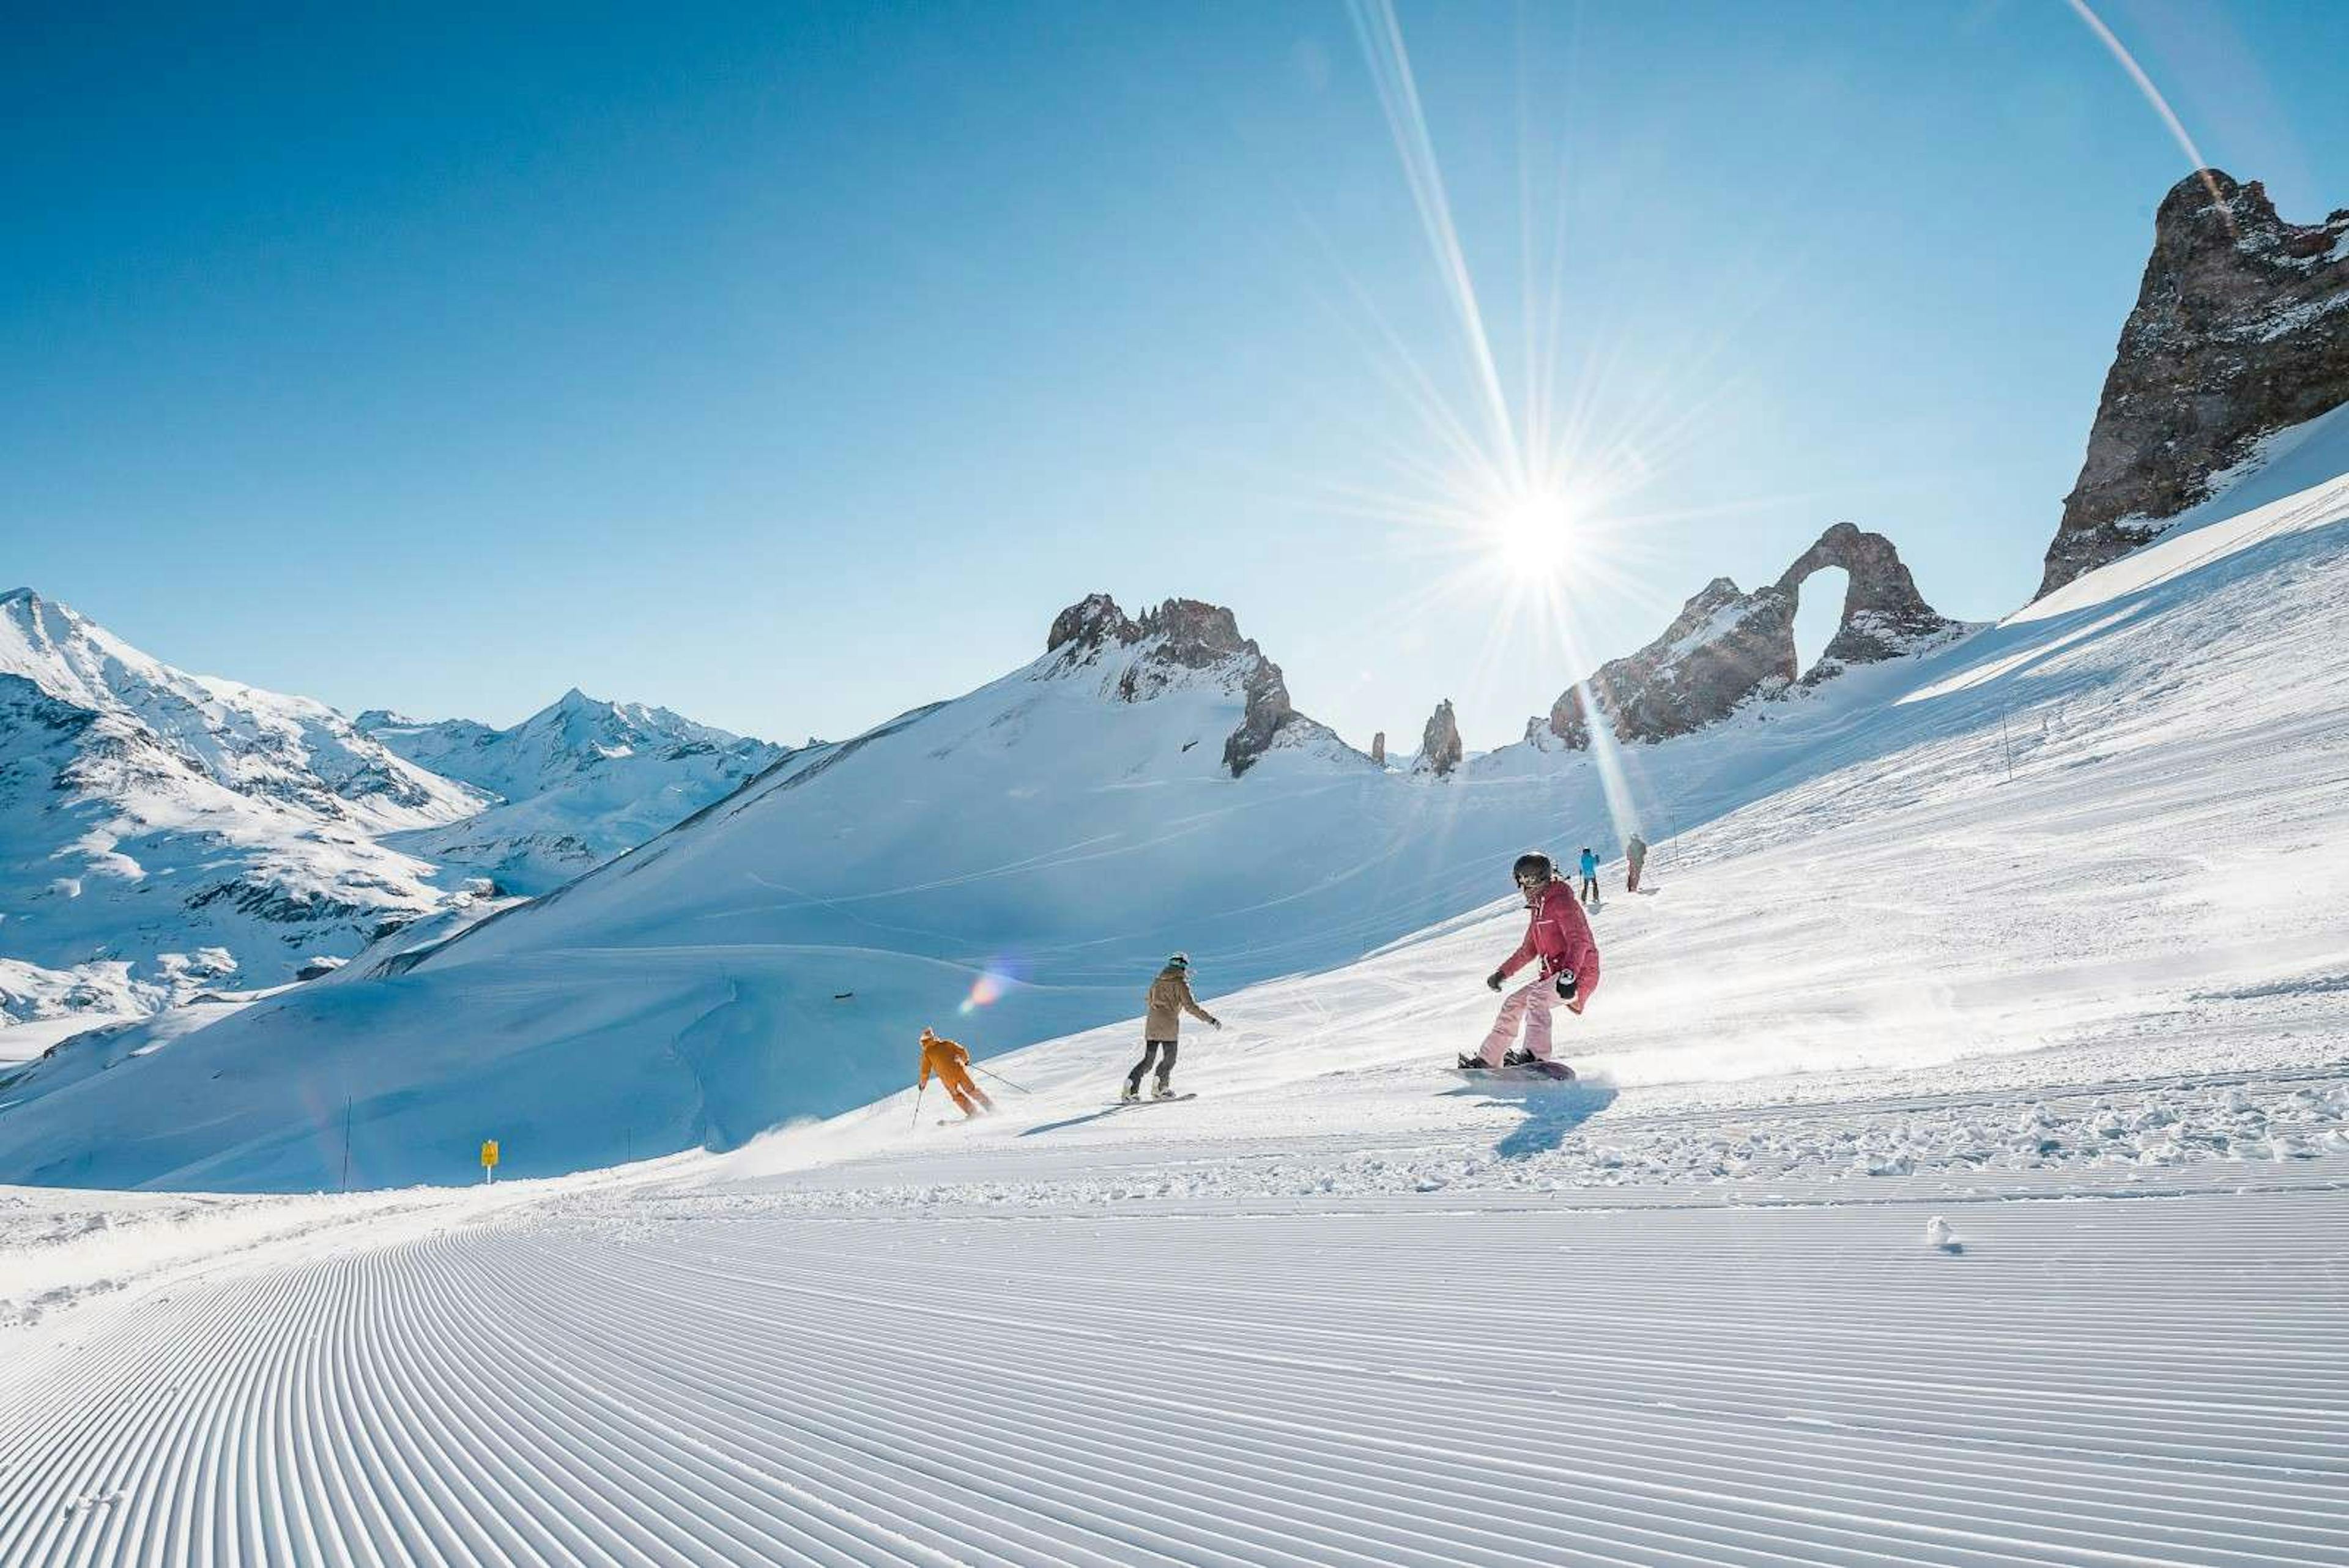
x=1170 y=998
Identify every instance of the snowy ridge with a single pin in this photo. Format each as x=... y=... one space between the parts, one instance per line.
x=262 y=745
x=163 y=835
x=163 y=832
x=578 y=782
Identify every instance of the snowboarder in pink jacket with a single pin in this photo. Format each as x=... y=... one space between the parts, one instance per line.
x=1557 y=934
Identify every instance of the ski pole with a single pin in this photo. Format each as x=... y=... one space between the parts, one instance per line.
x=1004 y=1081
x=918 y=1090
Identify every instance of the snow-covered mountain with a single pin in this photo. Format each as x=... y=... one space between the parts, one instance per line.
x=163 y=832
x=1013 y=863
x=576 y=784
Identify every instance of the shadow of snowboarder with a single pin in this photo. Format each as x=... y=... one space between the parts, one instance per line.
x=1551 y=1110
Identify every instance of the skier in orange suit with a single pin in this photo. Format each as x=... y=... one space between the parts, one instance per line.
x=950 y=1062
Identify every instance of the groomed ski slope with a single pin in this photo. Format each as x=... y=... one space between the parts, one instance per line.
x=1348 y=1307
x=1660 y=1378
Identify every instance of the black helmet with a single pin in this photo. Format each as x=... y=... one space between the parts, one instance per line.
x=1533 y=869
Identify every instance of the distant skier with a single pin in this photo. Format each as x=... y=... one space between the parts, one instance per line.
x=950 y=1062
x=1589 y=879
x=1555 y=933
x=1635 y=855
x=1170 y=997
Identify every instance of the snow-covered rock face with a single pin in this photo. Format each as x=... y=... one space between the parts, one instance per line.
x=1186 y=645
x=1726 y=647
x=575 y=735
x=260 y=744
x=578 y=782
x=2241 y=329
x=162 y=834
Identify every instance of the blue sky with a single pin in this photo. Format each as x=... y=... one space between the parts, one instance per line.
x=791 y=365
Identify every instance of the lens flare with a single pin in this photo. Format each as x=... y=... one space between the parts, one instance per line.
x=988 y=989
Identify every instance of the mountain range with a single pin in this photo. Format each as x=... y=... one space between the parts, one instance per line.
x=573 y=784
x=163 y=835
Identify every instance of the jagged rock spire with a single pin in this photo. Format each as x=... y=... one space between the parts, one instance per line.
x=1439 y=745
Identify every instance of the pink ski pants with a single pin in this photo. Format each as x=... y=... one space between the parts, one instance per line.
x=1528 y=1004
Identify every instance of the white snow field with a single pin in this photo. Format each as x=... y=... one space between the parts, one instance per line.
x=1961 y=1175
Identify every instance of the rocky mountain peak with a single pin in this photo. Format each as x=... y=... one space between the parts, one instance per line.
x=2240 y=330
x=1194 y=634
x=1726 y=647
x=1178 y=644
x=1091 y=623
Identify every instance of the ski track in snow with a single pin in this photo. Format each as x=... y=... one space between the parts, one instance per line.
x=643 y=1375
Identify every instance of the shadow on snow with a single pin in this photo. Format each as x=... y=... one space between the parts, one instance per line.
x=1551 y=1110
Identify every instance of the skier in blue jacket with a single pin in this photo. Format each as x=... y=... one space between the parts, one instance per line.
x=1589 y=878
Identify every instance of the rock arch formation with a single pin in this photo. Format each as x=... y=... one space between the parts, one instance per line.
x=1726 y=647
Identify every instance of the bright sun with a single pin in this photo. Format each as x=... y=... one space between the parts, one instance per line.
x=1530 y=535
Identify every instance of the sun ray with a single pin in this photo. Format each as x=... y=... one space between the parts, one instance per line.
x=2153 y=97
x=1380 y=34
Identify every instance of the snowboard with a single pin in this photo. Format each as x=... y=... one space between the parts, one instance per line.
x=1534 y=1072
x=1169 y=1100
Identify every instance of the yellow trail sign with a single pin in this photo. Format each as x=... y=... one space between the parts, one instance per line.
x=488 y=1159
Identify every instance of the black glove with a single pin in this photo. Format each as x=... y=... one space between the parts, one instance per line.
x=1567 y=985
x=1494 y=980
